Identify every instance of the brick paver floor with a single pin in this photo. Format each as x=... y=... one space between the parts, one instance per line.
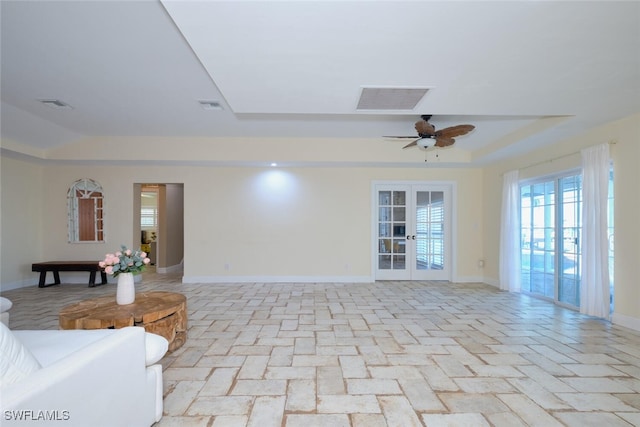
x=379 y=354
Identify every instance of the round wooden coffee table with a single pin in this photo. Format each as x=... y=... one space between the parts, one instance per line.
x=161 y=313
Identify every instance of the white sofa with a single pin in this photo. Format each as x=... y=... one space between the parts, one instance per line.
x=5 y=306
x=107 y=377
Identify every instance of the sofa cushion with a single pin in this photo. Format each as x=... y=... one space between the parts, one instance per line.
x=16 y=361
x=155 y=347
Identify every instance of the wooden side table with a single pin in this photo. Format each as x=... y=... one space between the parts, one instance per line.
x=161 y=313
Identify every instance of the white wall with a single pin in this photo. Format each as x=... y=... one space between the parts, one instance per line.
x=298 y=223
x=244 y=223
x=170 y=243
x=21 y=230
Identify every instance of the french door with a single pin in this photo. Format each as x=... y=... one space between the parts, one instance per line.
x=412 y=229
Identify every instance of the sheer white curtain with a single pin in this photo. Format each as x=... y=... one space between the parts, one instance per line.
x=510 y=234
x=594 y=283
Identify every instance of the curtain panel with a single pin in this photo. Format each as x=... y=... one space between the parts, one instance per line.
x=510 y=233
x=594 y=283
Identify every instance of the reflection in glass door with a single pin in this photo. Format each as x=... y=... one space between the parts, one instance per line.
x=429 y=230
x=412 y=234
x=392 y=223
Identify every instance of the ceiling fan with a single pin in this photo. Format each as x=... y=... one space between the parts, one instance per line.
x=429 y=137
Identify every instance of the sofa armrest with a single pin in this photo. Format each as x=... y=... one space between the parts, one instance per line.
x=4 y=318
x=102 y=384
x=5 y=306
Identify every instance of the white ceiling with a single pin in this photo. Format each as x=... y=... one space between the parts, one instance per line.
x=525 y=73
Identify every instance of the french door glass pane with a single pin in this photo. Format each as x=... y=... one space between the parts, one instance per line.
x=392 y=212
x=429 y=230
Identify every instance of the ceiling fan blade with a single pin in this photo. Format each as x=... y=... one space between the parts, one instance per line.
x=412 y=144
x=454 y=131
x=399 y=137
x=424 y=128
x=442 y=141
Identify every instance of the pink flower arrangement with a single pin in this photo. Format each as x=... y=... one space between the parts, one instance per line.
x=125 y=261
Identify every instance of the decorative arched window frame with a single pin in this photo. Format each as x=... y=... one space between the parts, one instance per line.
x=85 y=209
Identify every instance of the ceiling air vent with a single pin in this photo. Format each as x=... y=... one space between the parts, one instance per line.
x=210 y=105
x=56 y=103
x=378 y=98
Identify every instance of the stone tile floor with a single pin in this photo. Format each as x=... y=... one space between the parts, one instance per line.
x=379 y=354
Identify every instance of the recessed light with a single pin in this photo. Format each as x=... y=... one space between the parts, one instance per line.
x=56 y=103
x=210 y=105
x=274 y=164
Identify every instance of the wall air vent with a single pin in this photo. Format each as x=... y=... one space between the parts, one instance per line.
x=390 y=98
x=210 y=105
x=56 y=103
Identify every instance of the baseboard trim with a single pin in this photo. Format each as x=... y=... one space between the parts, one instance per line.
x=171 y=269
x=304 y=279
x=468 y=279
x=626 y=321
x=277 y=279
x=19 y=284
x=66 y=277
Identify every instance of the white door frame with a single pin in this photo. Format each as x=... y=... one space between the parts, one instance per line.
x=450 y=252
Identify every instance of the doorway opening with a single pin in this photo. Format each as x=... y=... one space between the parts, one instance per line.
x=159 y=224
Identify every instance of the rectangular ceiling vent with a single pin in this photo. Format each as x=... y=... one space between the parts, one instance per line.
x=56 y=103
x=379 y=98
x=210 y=105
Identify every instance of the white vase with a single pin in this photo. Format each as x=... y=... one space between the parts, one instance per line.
x=126 y=291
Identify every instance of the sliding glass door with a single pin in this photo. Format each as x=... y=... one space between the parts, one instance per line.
x=551 y=227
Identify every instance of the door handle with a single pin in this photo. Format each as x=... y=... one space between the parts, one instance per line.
x=411 y=237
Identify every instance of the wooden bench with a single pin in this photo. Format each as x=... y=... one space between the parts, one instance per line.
x=57 y=266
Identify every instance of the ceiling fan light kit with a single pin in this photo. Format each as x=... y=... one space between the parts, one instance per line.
x=425 y=143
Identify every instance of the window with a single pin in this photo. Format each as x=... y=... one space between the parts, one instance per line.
x=148 y=217
x=149 y=212
x=85 y=211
